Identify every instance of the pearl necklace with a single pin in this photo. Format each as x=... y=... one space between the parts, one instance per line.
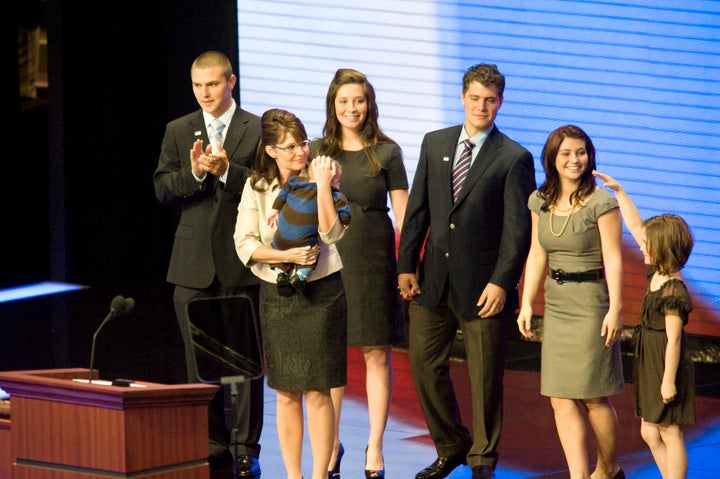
x=566 y=210
x=570 y=210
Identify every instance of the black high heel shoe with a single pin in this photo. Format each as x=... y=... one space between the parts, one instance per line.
x=335 y=473
x=374 y=473
x=619 y=475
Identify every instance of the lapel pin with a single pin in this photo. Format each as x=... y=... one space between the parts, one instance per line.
x=446 y=158
x=198 y=133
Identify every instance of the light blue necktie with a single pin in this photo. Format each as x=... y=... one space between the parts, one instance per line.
x=216 y=133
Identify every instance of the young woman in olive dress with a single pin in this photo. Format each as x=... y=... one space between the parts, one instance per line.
x=576 y=229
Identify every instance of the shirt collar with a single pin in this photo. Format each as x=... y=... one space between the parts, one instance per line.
x=225 y=117
x=478 y=139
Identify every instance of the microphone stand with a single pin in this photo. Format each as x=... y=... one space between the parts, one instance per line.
x=118 y=307
x=233 y=381
x=110 y=315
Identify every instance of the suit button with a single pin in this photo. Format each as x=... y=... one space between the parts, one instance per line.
x=452 y=226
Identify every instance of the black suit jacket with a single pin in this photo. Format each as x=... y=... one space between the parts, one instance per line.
x=484 y=237
x=203 y=245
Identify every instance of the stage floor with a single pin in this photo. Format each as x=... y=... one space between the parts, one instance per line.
x=529 y=446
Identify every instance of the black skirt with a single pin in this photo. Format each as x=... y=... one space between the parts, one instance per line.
x=305 y=336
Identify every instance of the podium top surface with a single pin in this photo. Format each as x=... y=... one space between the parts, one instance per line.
x=72 y=386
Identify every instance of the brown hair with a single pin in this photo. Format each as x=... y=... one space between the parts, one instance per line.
x=486 y=74
x=275 y=124
x=550 y=189
x=371 y=134
x=668 y=242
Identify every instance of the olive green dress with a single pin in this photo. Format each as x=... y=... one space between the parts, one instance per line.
x=575 y=363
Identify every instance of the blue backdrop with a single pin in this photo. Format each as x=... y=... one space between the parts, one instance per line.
x=642 y=78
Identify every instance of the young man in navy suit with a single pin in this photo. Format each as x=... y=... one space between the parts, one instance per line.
x=203 y=166
x=478 y=237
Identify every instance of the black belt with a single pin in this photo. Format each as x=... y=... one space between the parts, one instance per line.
x=561 y=276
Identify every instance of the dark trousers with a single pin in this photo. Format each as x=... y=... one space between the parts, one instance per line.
x=431 y=335
x=248 y=405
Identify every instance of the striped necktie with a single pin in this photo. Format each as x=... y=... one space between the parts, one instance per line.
x=461 y=168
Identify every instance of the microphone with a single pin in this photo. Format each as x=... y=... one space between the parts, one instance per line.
x=119 y=306
x=129 y=306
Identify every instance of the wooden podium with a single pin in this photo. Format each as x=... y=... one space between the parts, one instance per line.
x=64 y=427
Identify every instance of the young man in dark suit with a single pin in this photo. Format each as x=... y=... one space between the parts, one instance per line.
x=477 y=224
x=205 y=158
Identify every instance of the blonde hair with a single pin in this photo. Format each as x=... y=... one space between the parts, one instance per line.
x=212 y=59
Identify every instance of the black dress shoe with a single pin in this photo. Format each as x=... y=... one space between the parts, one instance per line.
x=283 y=285
x=442 y=467
x=248 y=466
x=483 y=472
